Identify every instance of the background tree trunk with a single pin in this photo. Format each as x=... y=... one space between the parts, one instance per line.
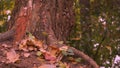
x=86 y=26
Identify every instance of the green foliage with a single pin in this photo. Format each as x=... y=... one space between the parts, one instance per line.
x=98 y=30
x=5 y=5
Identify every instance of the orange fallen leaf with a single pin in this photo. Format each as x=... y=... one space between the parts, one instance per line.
x=39 y=44
x=22 y=47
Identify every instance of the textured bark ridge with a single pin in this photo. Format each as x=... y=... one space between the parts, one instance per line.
x=18 y=24
x=48 y=20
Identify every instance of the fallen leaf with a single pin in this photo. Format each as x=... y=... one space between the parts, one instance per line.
x=54 y=51
x=67 y=66
x=61 y=42
x=39 y=44
x=30 y=48
x=64 y=53
x=23 y=42
x=78 y=60
x=63 y=48
x=62 y=65
x=71 y=59
x=49 y=56
x=42 y=50
x=42 y=60
x=12 y=56
x=30 y=42
x=31 y=36
x=26 y=54
x=45 y=33
x=39 y=53
x=23 y=47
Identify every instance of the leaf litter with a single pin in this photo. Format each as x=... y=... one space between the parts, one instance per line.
x=50 y=56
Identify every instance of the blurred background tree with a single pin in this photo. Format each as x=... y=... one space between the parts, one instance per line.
x=97 y=30
x=6 y=7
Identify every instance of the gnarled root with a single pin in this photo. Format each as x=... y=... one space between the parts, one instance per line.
x=7 y=35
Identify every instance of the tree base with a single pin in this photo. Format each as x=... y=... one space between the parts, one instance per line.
x=29 y=57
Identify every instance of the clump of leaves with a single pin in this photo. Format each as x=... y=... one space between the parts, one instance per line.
x=50 y=53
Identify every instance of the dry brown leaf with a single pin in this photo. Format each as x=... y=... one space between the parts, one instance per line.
x=42 y=60
x=38 y=43
x=22 y=47
x=12 y=56
x=54 y=51
x=49 y=56
x=23 y=42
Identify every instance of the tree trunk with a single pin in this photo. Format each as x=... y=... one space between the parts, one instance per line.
x=56 y=15
x=48 y=20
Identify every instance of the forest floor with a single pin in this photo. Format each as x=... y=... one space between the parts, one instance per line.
x=28 y=54
x=12 y=57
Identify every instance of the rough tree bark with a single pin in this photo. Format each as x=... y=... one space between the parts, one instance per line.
x=58 y=14
x=48 y=20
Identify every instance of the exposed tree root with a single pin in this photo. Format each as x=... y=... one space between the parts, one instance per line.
x=85 y=57
x=7 y=35
x=10 y=34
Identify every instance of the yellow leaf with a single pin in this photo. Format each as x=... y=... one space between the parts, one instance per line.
x=39 y=53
